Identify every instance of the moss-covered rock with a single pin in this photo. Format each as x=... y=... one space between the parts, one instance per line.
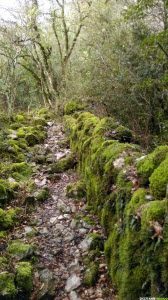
x=149 y=163
x=9 y=218
x=7 y=286
x=74 y=105
x=159 y=179
x=91 y=274
x=64 y=164
x=138 y=237
x=97 y=242
x=31 y=139
x=40 y=121
x=43 y=195
x=24 y=278
x=15 y=126
x=3 y=195
x=20 y=119
x=21 y=250
x=77 y=190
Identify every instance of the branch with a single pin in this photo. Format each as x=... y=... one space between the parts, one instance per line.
x=164 y=51
x=56 y=35
x=37 y=78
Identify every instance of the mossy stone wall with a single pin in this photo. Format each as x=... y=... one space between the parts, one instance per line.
x=128 y=192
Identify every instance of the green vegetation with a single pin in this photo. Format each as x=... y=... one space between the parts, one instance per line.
x=131 y=216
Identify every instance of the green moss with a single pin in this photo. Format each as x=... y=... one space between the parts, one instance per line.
x=123 y=134
x=148 y=164
x=3 y=195
x=21 y=250
x=24 y=278
x=91 y=274
x=43 y=195
x=76 y=190
x=79 y=216
x=153 y=211
x=8 y=218
x=86 y=261
x=2 y=236
x=40 y=121
x=73 y=105
x=20 y=133
x=97 y=242
x=20 y=118
x=137 y=200
x=14 y=186
x=7 y=286
x=88 y=221
x=31 y=139
x=134 y=250
x=19 y=167
x=21 y=171
x=63 y=164
x=15 y=126
x=43 y=111
x=108 y=217
x=159 y=179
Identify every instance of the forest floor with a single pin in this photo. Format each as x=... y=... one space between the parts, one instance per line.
x=61 y=234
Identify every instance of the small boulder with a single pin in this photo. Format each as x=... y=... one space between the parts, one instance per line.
x=73 y=283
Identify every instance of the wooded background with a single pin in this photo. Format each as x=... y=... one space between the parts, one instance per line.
x=113 y=54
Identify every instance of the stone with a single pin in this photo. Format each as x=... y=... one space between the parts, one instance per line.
x=44 y=230
x=73 y=296
x=85 y=244
x=82 y=230
x=7 y=285
x=85 y=225
x=12 y=136
x=21 y=250
x=73 y=283
x=119 y=163
x=74 y=266
x=49 y=284
x=53 y=220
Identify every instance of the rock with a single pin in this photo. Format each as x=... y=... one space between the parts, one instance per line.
x=11 y=180
x=44 y=230
x=82 y=230
x=63 y=207
x=149 y=197
x=7 y=285
x=85 y=244
x=119 y=163
x=73 y=296
x=73 y=283
x=60 y=227
x=53 y=220
x=50 y=124
x=74 y=224
x=85 y=225
x=12 y=136
x=21 y=250
x=60 y=218
x=69 y=237
x=74 y=266
x=139 y=158
x=49 y=284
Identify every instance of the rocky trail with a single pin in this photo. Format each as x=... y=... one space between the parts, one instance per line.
x=68 y=258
